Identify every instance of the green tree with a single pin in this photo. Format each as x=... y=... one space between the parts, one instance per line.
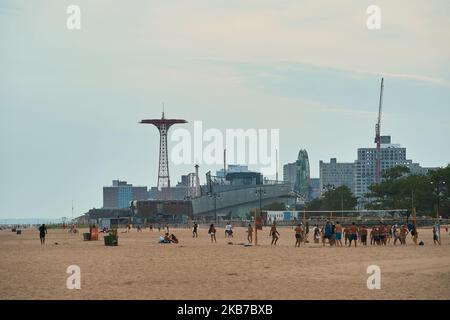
x=402 y=190
x=334 y=199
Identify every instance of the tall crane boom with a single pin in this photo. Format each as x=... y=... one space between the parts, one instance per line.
x=378 y=135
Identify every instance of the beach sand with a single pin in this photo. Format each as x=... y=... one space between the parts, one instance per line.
x=140 y=268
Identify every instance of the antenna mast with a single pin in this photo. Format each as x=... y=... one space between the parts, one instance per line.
x=378 y=135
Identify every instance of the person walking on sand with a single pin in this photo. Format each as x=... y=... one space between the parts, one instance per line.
x=42 y=233
x=194 y=230
x=436 y=239
x=353 y=234
x=212 y=233
x=274 y=233
x=298 y=235
x=250 y=233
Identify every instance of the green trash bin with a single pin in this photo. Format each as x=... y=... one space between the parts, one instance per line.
x=86 y=236
x=111 y=240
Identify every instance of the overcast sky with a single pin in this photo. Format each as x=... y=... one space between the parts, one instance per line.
x=70 y=100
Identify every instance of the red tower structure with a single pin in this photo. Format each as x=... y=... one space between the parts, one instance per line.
x=163 y=126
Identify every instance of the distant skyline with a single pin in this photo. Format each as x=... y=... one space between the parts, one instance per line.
x=70 y=101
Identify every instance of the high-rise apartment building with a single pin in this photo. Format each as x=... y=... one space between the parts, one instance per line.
x=335 y=174
x=120 y=194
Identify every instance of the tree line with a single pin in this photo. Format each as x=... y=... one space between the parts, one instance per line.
x=399 y=189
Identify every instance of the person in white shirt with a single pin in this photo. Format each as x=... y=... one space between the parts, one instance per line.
x=228 y=230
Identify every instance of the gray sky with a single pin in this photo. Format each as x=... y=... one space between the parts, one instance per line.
x=70 y=100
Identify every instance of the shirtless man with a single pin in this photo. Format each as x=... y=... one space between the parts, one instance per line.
x=353 y=234
x=363 y=233
x=346 y=234
x=298 y=235
x=376 y=236
x=250 y=233
x=338 y=234
x=274 y=233
x=382 y=234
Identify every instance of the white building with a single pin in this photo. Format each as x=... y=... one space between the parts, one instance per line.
x=335 y=174
x=290 y=173
x=392 y=155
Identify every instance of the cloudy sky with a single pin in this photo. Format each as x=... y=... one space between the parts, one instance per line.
x=70 y=100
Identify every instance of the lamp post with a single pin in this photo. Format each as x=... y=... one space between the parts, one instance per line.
x=260 y=192
x=438 y=183
x=215 y=195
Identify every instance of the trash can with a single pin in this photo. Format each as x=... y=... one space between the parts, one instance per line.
x=86 y=236
x=13 y=230
x=19 y=232
x=111 y=240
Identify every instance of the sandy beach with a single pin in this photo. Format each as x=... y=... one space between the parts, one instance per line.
x=140 y=268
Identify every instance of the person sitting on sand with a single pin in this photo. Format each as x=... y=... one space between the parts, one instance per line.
x=173 y=238
x=274 y=233
x=164 y=239
x=212 y=233
x=298 y=235
x=250 y=233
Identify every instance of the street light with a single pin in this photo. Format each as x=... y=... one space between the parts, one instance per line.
x=438 y=183
x=215 y=195
x=260 y=192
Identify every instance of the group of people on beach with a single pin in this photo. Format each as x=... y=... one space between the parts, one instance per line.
x=332 y=233
x=380 y=235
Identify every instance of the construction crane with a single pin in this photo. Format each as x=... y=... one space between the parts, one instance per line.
x=378 y=135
